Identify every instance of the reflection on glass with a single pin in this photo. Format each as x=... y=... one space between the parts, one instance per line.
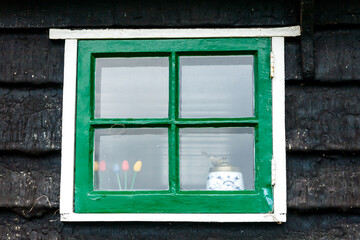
x=217 y=158
x=136 y=87
x=216 y=86
x=131 y=159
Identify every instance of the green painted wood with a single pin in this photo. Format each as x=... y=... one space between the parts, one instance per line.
x=173 y=200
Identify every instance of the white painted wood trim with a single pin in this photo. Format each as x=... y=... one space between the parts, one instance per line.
x=68 y=128
x=180 y=217
x=278 y=113
x=173 y=33
x=68 y=153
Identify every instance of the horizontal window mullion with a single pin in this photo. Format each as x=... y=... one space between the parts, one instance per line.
x=129 y=122
x=246 y=122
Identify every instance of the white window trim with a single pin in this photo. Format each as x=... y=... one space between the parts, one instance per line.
x=69 y=107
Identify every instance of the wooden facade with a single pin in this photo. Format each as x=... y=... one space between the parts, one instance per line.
x=322 y=114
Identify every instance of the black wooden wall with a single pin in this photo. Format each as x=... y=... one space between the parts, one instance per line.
x=322 y=114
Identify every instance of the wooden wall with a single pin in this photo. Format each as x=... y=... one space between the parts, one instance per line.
x=322 y=114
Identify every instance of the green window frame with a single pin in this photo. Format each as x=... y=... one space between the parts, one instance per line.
x=174 y=200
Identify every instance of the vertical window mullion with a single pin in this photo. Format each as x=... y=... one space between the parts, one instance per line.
x=173 y=131
x=174 y=159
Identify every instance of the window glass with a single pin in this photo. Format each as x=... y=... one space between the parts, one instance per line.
x=136 y=87
x=131 y=159
x=216 y=86
x=217 y=158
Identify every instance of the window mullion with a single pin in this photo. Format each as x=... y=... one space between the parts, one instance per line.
x=174 y=181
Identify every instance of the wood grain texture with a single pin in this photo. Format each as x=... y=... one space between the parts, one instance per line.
x=299 y=226
x=142 y=13
x=321 y=181
x=334 y=12
x=337 y=55
x=29 y=185
x=33 y=58
x=30 y=58
x=322 y=118
x=293 y=69
x=30 y=119
x=307 y=20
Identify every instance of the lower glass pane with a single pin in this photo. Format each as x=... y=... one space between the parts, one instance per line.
x=217 y=158
x=131 y=159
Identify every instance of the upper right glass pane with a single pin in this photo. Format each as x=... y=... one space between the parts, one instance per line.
x=216 y=86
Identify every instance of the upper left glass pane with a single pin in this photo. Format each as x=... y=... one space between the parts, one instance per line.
x=132 y=87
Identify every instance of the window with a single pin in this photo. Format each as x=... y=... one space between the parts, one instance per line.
x=173 y=130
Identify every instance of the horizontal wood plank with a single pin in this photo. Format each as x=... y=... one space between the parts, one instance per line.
x=30 y=58
x=30 y=119
x=337 y=55
x=322 y=118
x=298 y=227
x=334 y=12
x=142 y=13
x=33 y=58
x=30 y=184
x=321 y=181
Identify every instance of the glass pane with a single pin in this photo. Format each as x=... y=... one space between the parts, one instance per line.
x=217 y=158
x=216 y=86
x=131 y=159
x=135 y=87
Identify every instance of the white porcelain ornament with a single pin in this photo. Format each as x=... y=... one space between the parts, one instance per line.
x=222 y=176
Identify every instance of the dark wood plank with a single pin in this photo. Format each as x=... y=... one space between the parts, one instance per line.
x=29 y=185
x=307 y=19
x=142 y=13
x=293 y=69
x=334 y=12
x=30 y=58
x=30 y=119
x=299 y=226
x=317 y=118
x=322 y=118
x=321 y=181
x=337 y=55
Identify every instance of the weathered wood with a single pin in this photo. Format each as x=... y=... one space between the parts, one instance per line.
x=30 y=119
x=293 y=69
x=322 y=118
x=33 y=58
x=30 y=58
x=307 y=38
x=334 y=12
x=299 y=226
x=142 y=13
x=317 y=118
x=337 y=55
x=29 y=184
x=321 y=181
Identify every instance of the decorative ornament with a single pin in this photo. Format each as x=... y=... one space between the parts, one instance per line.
x=125 y=168
x=102 y=166
x=96 y=166
x=116 y=170
x=137 y=168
